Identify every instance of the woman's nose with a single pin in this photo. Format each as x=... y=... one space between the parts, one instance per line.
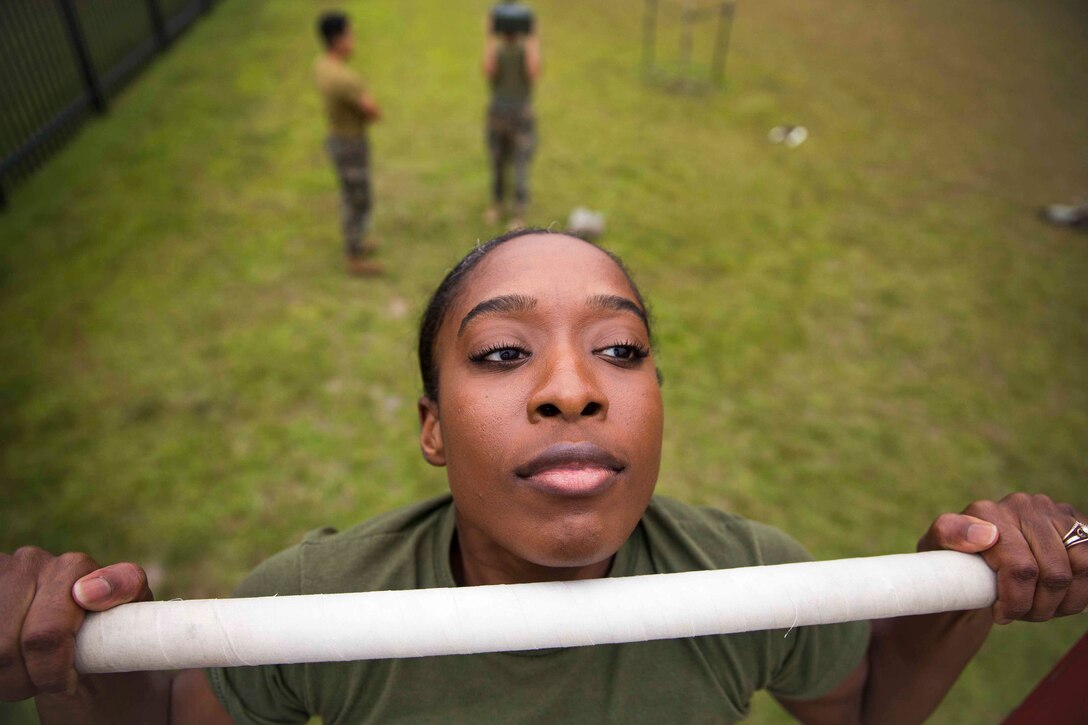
x=568 y=389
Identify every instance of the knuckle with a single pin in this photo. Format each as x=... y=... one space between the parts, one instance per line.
x=51 y=681
x=1056 y=582
x=9 y=659
x=943 y=522
x=1017 y=608
x=1068 y=610
x=1024 y=573
x=1017 y=497
x=1041 y=499
x=30 y=554
x=980 y=508
x=74 y=559
x=44 y=642
x=47 y=655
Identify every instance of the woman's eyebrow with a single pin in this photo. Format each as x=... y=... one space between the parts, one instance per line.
x=618 y=304
x=504 y=304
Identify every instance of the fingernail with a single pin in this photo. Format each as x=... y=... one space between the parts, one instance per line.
x=92 y=591
x=981 y=534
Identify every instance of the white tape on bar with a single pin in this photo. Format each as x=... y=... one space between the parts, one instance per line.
x=415 y=623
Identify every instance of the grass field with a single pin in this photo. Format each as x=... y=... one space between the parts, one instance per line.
x=856 y=335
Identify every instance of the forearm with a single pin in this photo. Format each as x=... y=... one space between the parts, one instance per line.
x=532 y=57
x=129 y=697
x=487 y=62
x=913 y=662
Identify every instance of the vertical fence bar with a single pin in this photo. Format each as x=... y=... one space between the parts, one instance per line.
x=83 y=55
x=15 y=110
x=48 y=85
x=721 y=43
x=687 y=41
x=162 y=38
x=649 y=37
x=30 y=100
x=52 y=90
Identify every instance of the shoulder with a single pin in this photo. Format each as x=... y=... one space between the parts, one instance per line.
x=348 y=78
x=336 y=76
x=323 y=67
x=711 y=538
x=381 y=553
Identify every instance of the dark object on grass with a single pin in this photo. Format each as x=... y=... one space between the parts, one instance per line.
x=510 y=18
x=1074 y=216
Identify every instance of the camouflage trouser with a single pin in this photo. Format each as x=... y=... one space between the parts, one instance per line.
x=511 y=138
x=351 y=157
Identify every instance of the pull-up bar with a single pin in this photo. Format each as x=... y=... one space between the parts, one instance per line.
x=466 y=620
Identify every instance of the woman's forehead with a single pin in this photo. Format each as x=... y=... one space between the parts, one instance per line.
x=545 y=266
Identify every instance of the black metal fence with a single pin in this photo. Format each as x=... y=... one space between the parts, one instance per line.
x=61 y=60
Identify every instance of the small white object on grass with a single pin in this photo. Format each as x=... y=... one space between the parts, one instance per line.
x=792 y=136
x=466 y=620
x=1067 y=214
x=586 y=223
x=796 y=136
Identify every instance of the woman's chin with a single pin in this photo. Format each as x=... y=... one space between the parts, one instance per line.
x=571 y=546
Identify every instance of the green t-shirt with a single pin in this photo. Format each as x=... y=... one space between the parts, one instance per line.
x=697 y=679
x=511 y=84
x=341 y=89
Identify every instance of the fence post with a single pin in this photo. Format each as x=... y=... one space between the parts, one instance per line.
x=154 y=12
x=649 y=36
x=83 y=55
x=687 y=42
x=721 y=42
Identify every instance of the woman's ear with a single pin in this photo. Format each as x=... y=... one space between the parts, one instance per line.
x=430 y=432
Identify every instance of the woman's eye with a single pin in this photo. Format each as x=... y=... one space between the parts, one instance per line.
x=623 y=352
x=503 y=354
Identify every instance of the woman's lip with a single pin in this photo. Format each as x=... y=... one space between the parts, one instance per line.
x=572 y=456
x=572 y=480
x=572 y=469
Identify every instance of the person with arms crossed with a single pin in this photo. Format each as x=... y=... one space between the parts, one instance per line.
x=350 y=109
x=542 y=401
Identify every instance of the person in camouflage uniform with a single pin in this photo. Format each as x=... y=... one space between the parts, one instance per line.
x=350 y=109
x=511 y=64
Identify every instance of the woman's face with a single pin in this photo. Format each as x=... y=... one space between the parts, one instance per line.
x=549 y=417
